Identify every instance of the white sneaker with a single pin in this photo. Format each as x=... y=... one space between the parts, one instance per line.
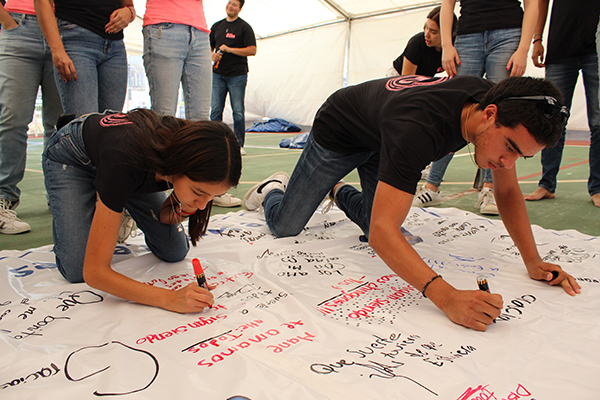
x=128 y=227
x=487 y=202
x=226 y=200
x=425 y=172
x=426 y=197
x=242 y=151
x=9 y=223
x=256 y=195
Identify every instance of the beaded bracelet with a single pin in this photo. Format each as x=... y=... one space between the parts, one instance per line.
x=427 y=284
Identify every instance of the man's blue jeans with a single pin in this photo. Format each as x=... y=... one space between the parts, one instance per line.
x=69 y=176
x=315 y=174
x=480 y=53
x=25 y=65
x=236 y=86
x=564 y=76
x=101 y=66
x=174 y=54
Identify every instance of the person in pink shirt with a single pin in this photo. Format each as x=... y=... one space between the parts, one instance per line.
x=177 y=51
x=25 y=65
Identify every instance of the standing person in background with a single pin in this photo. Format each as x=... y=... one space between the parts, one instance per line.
x=423 y=52
x=233 y=41
x=571 y=48
x=493 y=40
x=25 y=65
x=86 y=39
x=177 y=51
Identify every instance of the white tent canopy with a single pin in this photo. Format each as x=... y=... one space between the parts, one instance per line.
x=310 y=48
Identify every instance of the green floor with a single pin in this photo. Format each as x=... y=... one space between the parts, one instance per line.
x=572 y=208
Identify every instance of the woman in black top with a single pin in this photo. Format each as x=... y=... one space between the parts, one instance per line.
x=99 y=164
x=86 y=40
x=423 y=53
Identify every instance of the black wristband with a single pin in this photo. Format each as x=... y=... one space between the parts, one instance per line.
x=427 y=284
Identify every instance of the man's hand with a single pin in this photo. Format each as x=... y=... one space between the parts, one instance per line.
x=543 y=271
x=474 y=309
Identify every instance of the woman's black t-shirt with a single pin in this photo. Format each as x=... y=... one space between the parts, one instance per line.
x=89 y=14
x=427 y=59
x=118 y=175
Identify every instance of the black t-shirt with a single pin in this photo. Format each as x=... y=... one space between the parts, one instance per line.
x=427 y=59
x=236 y=34
x=89 y=14
x=410 y=120
x=488 y=15
x=118 y=177
x=572 y=31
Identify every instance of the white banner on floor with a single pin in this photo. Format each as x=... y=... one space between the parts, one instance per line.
x=318 y=316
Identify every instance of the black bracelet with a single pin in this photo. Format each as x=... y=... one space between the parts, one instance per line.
x=427 y=284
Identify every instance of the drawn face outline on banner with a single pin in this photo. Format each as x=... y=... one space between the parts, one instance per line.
x=97 y=393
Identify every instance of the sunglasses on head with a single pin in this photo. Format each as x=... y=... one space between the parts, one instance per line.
x=550 y=106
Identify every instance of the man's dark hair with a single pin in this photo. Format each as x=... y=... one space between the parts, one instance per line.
x=530 y=113
x=241 y=3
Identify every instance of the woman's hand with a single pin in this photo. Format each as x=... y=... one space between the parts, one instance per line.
x=189 y=299
x=119 y=19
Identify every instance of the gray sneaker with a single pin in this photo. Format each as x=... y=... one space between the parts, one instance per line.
x=9 y=223
x=254 y=197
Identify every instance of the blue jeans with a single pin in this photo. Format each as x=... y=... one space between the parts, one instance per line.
x=480 y=53
x=101 y=66
x=25 y=65
x=236 y=86
x=69 y=176
x=564 y=76
x=173 y=54
x=315 y=174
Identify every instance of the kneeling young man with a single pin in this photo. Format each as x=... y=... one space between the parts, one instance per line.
x=390 y=129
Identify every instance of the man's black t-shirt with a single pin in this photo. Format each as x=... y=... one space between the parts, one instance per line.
x=118 y=176
x=427 y=59
x=237 y=34
x=409 y=120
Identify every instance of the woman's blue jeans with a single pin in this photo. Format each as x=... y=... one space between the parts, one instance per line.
x=174 y=54
x=101 y=66
x=69 y=176
x=25 y=65
x=484 y=53
x=315 y=174
x=564 y=76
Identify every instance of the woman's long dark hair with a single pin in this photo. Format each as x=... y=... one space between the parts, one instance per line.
x=204 y=151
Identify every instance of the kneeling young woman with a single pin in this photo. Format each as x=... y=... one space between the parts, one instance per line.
x=100 y=164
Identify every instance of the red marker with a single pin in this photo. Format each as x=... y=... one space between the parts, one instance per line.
x=199 y=273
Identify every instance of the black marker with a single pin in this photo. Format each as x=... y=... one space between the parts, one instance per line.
x=555 y=275
x=483 y=285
